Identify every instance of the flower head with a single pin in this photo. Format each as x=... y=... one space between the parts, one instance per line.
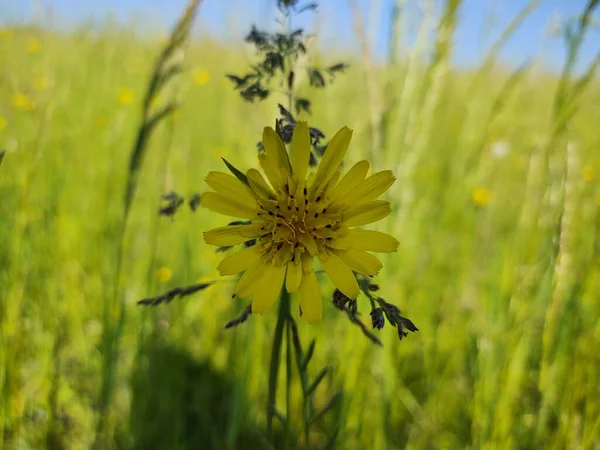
x=33 y=46
x=19 y=100
x=294 y=219
x=481 y=197
x=125 y=96
x=588 y=174
x=201 y=76
x=164 y=274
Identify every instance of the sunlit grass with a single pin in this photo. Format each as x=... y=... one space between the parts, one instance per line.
x=475 y=269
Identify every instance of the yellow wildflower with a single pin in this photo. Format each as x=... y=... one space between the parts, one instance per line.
x=201 y=76
x=164 y=275
x=33 y=46
x=481 y=197
x=2 y=123
x=125 y=96
x=295 y=219
x=588 y=174
x=21 y=101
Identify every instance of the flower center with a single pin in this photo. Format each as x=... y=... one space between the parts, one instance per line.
x=294 y=224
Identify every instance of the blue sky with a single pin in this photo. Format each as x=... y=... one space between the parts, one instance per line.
x=480 y=22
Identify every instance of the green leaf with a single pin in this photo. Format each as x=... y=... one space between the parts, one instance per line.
x=313 y=386
x=238 y=174
x=2 y=153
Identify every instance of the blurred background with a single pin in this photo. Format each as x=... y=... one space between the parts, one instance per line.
x=486 y=111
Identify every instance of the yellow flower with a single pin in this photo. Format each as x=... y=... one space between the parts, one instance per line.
x=164 y=275
x=33 y=46
x=21 y=101
x=2 y=123
x=201 y=76
x=40 y=83
x=296 y=219
x=481 y=197
x=588 y=174
x=125 y=96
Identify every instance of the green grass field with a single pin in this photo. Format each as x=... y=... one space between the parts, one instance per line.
x=496 y=207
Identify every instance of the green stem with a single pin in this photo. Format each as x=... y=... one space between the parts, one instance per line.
x=288 y=376
x=282 y=319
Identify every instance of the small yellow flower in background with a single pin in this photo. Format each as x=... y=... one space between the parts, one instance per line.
x=481 y=197
x=2 y=123
x=6 y=33
x=201 y=76
x=296 y=219
x=33 y=46
x=588 y=174
x=164 y=275
x=21 y=101
x=40 y=83
x=125 y=96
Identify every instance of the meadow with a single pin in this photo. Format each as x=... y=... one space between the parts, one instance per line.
x=496 y=207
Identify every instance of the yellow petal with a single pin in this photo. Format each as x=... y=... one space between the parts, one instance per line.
x=340 y=274
x=372 y=241
x=270 y=171
x=353 y=177
x=267 y=289
x=249 y=280
x=223 y=205
x=300 y=150
x=310 y=299
x=307 y=263
x=371 y=188
x=239 y=261
x=366 y=213
x=332 y=183
x=275 y=149
x=231 y=234
x=361 y=261
x=308 y=241
x=230 y=187
x=258 y=184
x=294 y=276
x=332 y=158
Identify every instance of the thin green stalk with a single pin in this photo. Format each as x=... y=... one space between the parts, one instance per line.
x=282 y=319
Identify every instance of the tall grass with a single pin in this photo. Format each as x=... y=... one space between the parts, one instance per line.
x=498 y=263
